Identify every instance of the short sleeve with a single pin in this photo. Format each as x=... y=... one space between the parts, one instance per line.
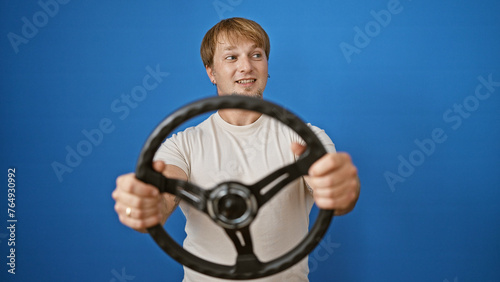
x=171 y=153
x=324 y=138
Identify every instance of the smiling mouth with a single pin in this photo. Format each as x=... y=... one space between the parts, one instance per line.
x=245 y=81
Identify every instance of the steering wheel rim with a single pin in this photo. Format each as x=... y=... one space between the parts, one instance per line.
x=247 y=265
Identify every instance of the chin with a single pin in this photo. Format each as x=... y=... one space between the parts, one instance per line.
x=257 y=94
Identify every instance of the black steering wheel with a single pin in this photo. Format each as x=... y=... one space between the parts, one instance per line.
x=233 y=205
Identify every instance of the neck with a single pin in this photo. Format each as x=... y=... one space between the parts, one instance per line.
x=239 y=117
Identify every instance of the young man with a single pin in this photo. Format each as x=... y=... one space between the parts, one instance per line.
x=243 y=146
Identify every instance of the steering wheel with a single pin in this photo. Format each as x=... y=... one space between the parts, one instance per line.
x=233 y=205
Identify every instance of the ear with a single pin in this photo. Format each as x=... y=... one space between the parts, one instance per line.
x=211 y=74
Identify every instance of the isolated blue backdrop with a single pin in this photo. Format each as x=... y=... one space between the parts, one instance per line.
x=409 y=88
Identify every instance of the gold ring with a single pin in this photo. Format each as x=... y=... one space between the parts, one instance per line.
x=128 y=211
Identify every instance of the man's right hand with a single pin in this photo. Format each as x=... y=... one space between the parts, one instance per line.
x=140 y=205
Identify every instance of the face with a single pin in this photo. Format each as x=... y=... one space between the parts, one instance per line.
x=239 y=68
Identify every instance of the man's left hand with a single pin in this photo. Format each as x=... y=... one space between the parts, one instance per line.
x=334 y=180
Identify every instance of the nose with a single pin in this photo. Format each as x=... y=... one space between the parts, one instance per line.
x=245 y=64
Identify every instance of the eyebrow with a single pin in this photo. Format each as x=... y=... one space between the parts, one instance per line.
x=229 y=48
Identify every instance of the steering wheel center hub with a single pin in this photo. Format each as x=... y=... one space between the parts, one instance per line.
x=232 y=205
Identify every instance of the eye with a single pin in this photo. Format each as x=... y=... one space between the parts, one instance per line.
x=231 y=58
x=257 y=55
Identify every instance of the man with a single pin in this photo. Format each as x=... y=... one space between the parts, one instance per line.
x=244 y=146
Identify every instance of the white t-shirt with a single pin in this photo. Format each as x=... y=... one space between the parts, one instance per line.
x=215 y=151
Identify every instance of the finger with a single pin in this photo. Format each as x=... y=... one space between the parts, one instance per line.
x=135 y=201
x=137 y=213
x=338 y=200
x=324 y=192
x=130 y=184
x=159 y=166
x=297 y=148
x=341 y=198
x=139 y=224
x=329 y=163
x=334 y=178
x=341 y=205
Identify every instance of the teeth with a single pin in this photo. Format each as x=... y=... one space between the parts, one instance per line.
x=245 y=81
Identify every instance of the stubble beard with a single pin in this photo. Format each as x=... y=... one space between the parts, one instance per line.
x=258 y=94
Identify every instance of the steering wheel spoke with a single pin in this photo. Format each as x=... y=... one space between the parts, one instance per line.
x=186 y=191
x=269 y=186
x=242 y=240
x=192 y=194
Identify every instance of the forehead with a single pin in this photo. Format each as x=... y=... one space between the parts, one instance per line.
x=233 y=41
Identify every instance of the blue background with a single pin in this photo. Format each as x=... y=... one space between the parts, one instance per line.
x=439 y=221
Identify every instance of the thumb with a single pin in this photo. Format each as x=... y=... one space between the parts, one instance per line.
x=297 y=148
x=159 y=166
